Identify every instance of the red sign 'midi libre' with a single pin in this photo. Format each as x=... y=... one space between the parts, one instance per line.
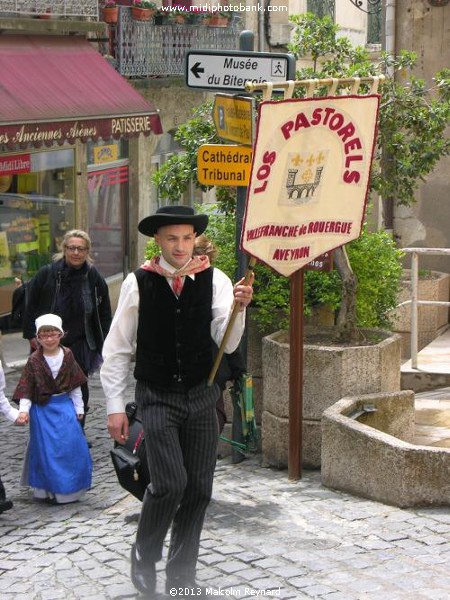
x=19 y=163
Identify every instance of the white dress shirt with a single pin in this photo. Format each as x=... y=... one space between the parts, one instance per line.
x=120 y=343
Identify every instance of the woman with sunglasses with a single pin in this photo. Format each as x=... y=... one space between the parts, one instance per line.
x=72 y=288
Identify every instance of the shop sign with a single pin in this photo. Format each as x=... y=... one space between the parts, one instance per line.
x=220 y=164
x=13 y=164
x=104 y=154
x=38 y=134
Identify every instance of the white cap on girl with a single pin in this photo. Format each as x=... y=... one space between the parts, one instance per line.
x=49 y=320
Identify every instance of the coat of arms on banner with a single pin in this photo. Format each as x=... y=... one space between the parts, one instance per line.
x=310 y=177
x=302 y=180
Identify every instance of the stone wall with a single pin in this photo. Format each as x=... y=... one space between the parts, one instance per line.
x=425 y=30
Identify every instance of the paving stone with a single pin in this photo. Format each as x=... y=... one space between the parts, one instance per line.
x=317 y=591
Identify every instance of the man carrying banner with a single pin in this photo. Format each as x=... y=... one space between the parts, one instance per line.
x=168 y=311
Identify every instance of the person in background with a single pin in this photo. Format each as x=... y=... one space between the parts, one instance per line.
x=11 y=414
x=232 y=365
x=58 y=465
x=168 y=311
x=72 y=288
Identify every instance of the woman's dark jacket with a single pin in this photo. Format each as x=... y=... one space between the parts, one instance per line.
x=46 y=288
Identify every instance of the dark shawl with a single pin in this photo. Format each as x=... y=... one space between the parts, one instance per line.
x=37 y=384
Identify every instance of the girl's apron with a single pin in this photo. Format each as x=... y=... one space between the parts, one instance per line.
x=59 y=458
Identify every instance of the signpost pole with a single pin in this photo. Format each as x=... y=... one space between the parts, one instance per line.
x=246 y=42
x=296 y=377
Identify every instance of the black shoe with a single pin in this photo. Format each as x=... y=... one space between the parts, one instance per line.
x=143 y=575
x=5 y=505
x=193 y=589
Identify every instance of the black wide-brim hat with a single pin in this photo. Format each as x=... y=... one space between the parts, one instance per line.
x=173 y=215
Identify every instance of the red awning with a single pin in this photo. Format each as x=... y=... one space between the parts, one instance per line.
x=57 y=89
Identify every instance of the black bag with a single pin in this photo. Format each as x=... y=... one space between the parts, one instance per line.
x=18 y=305
x=19 y=298
x=130 y=459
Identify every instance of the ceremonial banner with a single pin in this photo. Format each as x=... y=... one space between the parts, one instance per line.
x=309 y=179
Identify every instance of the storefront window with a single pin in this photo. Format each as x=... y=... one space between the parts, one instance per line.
x=108 y=206
x=36 y=209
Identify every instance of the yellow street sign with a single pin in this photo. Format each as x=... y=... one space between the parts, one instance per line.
x=220 y=164
x=233 y=118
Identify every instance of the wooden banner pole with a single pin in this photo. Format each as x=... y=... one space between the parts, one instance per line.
x=248 y=274
x=296 y=377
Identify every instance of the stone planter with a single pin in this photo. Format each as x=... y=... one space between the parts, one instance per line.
x=433 y=320
x=331 y=372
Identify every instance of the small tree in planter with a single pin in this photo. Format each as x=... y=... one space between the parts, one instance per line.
x=413 y=138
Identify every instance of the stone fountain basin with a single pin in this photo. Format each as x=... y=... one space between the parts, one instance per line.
x=368 y=450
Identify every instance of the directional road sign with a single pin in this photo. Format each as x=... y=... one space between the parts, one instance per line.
x=233 y=118
x=220 y=164
x=230 y=70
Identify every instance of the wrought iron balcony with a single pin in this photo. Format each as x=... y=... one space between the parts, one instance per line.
x=144 y=49
x=57 y=8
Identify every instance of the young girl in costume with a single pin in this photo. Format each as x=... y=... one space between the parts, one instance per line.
x=58 y=465
x=11 y=413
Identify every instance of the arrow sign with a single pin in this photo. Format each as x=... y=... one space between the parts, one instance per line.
x=230 y=70
x=196 y=70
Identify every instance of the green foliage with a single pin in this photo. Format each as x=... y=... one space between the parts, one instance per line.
x=376 y=263
x=222 y=231
x=151 y=249
x=412 y=150
x=317 y=39
x=174 y=176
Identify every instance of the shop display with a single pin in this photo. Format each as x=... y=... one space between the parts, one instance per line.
x=36 y=208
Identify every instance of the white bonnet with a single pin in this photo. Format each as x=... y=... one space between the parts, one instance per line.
x=49 y=320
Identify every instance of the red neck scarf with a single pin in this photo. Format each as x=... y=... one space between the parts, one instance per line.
x=195 y=265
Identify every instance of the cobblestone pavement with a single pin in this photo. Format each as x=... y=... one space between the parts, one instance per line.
x=263 y=535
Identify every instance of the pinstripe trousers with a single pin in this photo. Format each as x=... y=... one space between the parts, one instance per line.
x=180 y=429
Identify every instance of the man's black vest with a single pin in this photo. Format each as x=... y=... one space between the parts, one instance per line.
x=174 y=335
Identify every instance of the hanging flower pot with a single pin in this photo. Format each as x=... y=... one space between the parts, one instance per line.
x=141 y=14
x=143 y=10
x=110 y=14
x=218 y=21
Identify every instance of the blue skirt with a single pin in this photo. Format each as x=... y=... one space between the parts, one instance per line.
x=59 y=458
